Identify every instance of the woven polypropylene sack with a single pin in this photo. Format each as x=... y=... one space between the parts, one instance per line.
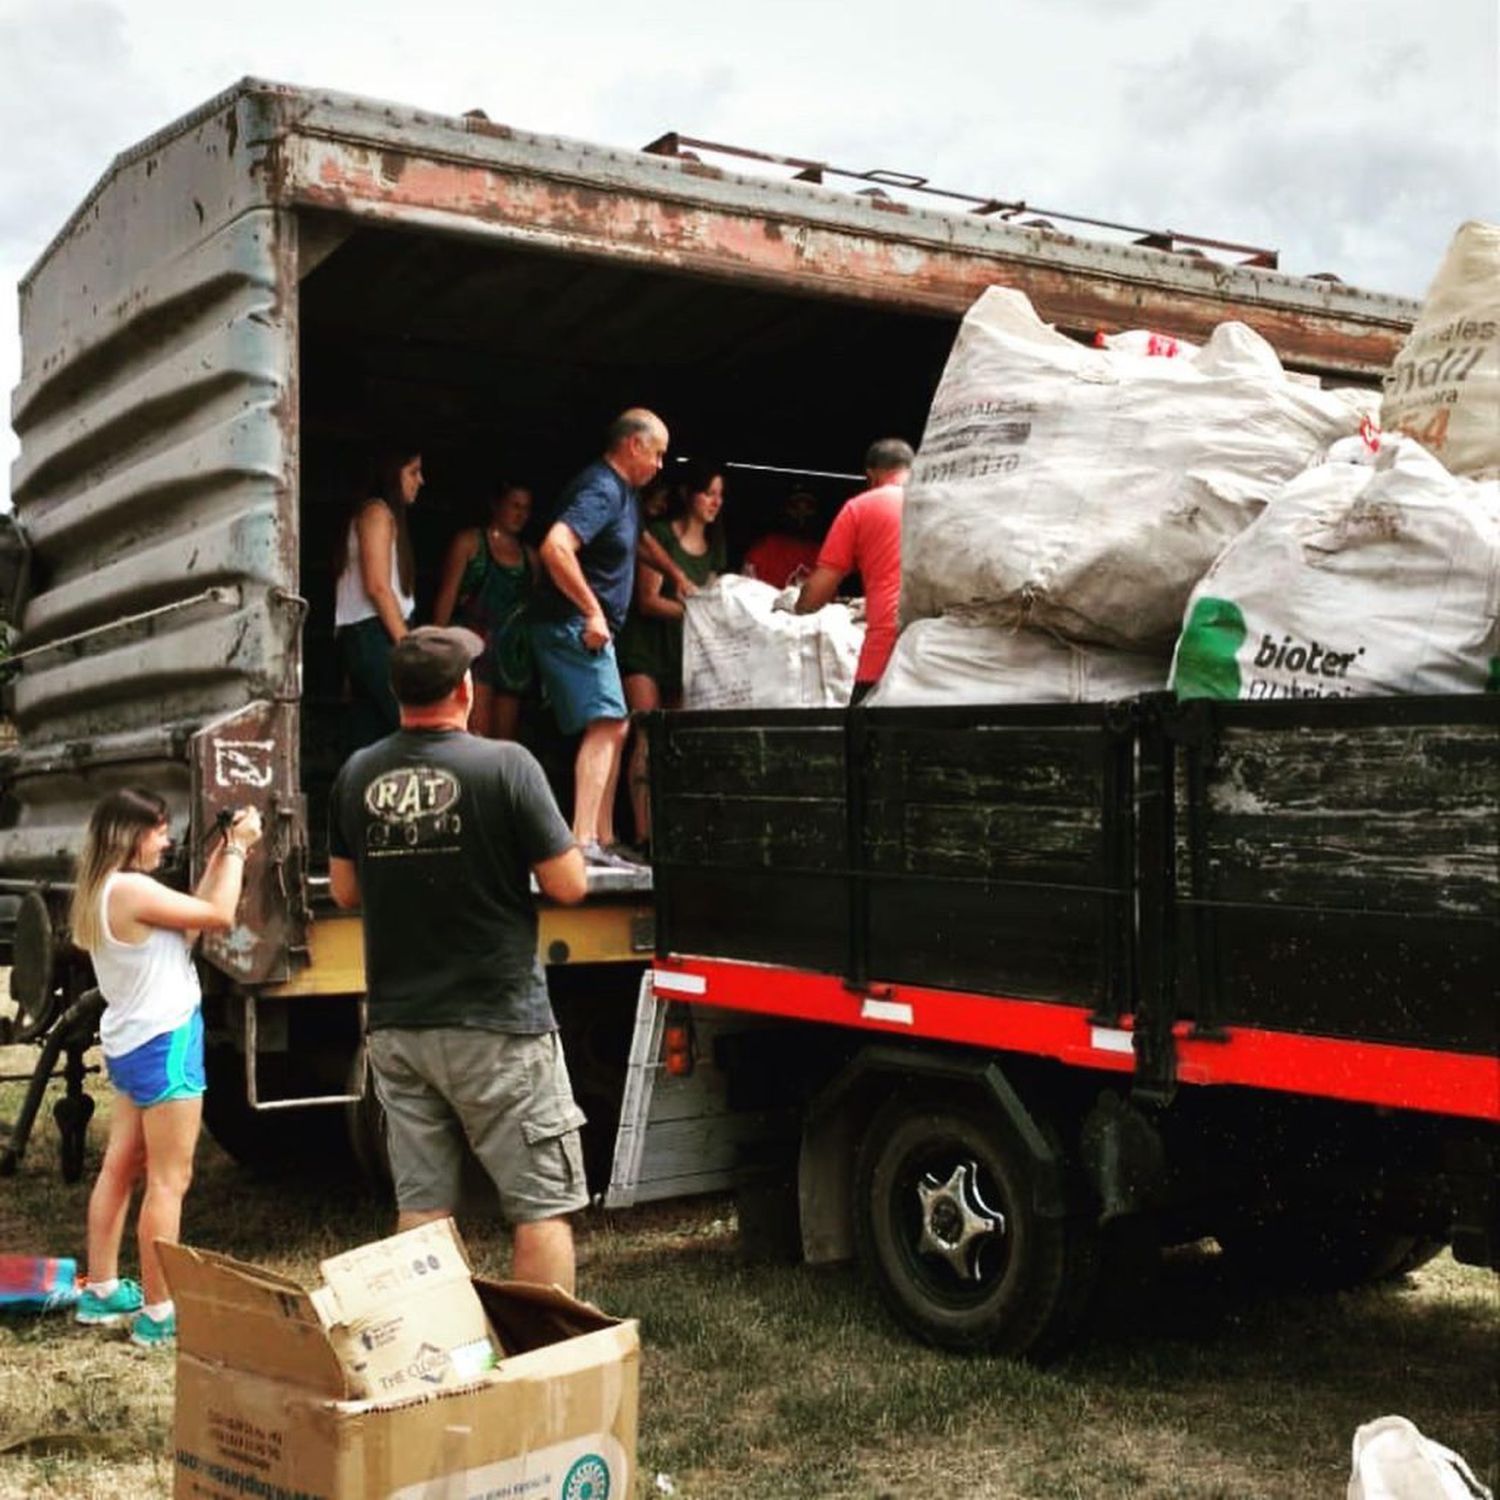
x=1444 y=387
x=1358 y=581
x=961 y=660
x=1085 y=491
x=740 y=651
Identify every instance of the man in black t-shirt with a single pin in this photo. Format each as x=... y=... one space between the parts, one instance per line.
x=436 y=833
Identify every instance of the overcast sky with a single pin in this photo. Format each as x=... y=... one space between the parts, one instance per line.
x=1352 y=135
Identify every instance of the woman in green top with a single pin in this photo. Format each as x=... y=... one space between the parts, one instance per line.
x=650 y=646
x=487 y=580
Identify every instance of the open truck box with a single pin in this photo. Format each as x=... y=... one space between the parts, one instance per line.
x=267 y=1399
x=257 y=296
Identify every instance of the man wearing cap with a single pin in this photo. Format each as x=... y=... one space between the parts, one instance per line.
x=436 y=833
x=588 y=559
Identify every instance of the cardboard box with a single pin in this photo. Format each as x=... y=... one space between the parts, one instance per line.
x=266 y=1402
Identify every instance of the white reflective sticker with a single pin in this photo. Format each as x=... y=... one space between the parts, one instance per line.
x=1110 y=1039
x=678 y=984
x=887 y=1010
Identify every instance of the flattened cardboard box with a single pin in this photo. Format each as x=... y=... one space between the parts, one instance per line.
x=402 y=1314
x=264 y=1406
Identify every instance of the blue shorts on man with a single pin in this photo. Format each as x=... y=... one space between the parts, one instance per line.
x=582 y=685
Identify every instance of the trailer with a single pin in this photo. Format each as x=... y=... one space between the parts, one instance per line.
x=251 y=298
x=981 y=996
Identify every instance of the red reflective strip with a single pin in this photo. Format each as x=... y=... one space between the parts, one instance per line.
x=1399 y=1077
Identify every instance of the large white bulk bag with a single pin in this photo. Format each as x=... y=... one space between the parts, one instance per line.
x=1444 y=387
x=958 y=658
x=740 y=651
x=1086 y=491
x=1357 y=581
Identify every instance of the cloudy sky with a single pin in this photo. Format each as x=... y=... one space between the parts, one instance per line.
x=1353 y=135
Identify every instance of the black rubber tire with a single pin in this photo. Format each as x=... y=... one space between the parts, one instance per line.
x=279 y=1143
x=1424 y=1248
x=1317 y=1251
x=1034 y=1282
x=365 y=1124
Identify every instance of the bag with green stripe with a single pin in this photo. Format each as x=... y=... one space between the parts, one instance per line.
x=1358 y=580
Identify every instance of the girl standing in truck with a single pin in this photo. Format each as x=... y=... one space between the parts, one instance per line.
x=376 y=594
x=487 y=580
x=139 y=935
x=650 y=648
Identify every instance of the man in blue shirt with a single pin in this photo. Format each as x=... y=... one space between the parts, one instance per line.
x=588 y=558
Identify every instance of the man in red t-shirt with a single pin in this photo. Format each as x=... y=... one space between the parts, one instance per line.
x=789 y=553
x=866 y=534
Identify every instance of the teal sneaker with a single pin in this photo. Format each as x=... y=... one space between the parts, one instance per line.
x=154 y=1333
x=110 y=1311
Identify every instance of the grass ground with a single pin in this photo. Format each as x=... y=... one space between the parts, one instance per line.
x=781 y=1381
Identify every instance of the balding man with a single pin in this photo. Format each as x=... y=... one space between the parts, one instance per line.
x=866 y=535
x=588 y=558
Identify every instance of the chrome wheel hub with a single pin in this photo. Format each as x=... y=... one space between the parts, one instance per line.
x=956 y=1221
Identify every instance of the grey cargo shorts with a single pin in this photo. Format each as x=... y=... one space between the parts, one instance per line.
x=508 y=1096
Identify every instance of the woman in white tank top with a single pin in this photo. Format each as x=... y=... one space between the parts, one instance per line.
x=139 y=935
x=374 y=598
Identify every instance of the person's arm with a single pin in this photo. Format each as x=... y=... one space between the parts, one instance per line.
x=532 y=561
x=818 y=590
x=147 y=902
x=657 y=558
x=463 y=549
x=650 y=600
x=374 y=529
x=563 y=878
x=343 y=882
x=545 y=840
x=560 y=558
x=835 y=560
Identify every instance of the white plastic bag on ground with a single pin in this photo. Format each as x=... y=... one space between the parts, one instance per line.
x=740 y=651
x=1444 y=387
x=963 y=659
x=1393 y=1461
x=1359 y=580
x=1085 y=491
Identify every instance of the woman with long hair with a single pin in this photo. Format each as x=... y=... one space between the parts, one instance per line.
x=139 y=935
x=650 y=646
x=487 y=579
x=376 y=592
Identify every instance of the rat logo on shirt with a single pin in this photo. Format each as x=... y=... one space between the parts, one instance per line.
x=413 y=807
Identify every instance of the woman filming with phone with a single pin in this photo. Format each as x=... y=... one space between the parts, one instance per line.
x=139 y=934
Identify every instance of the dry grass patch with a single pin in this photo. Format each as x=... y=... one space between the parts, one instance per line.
x=787 y=1382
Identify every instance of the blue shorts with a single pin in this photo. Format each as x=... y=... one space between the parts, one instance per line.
x=582 y=685
x=169 y=1066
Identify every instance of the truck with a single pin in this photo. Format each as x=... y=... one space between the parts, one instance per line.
x=1002 y=999
x=254 y=296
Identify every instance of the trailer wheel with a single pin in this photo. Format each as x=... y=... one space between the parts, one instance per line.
x=1321 y=1251
x=1423 y=1250
x=946 y=1222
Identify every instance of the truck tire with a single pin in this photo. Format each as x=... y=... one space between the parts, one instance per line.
x=1320 y=1251
x=365 y=1123
x=946 y=1223
x=278 y=1143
